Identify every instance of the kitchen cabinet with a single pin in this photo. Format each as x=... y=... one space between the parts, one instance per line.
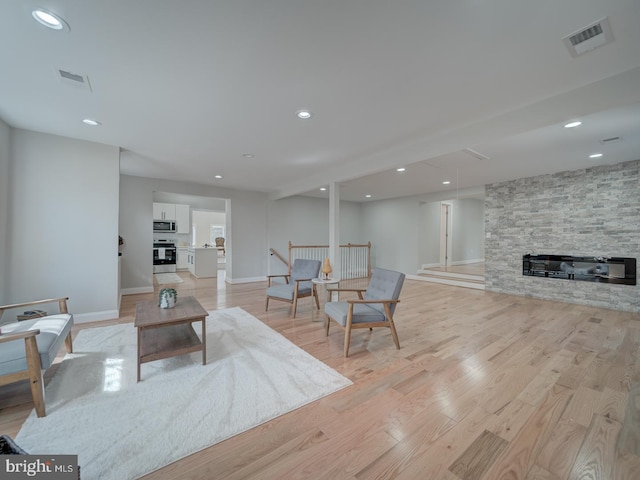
x=178 y=213
x=182 y=263
x=203 y=262
x=183 y=219
x=164 y=211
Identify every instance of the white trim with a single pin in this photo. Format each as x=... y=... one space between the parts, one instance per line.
x=245 y=280
x=446 y=281
x=135 y=291
x=463 y=276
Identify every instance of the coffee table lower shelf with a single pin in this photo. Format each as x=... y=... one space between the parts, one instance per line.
x=165 y=342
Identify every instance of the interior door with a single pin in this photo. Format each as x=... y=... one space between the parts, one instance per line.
x=446 y=237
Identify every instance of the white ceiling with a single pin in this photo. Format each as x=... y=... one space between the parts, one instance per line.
x=185 y=88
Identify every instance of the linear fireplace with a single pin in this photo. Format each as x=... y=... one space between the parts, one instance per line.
x=618 y=270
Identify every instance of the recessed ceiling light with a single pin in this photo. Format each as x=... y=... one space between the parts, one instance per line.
x=401 y=169
x=573 y=124
x=446 y=182
x=93 y=123
x=50 y=19
x=323 y=189
x=248 y=155
x=595 y=155
x=304 y=114
x=368 y=195
x=218 y=177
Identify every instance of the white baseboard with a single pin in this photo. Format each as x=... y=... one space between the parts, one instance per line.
x=446 y=281
x=245 y=280
x=460 y=262
x=95 y=316
x=135 y=291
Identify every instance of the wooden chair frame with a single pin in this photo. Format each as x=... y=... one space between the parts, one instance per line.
x=296 y=296
x=34 y=368
x=388 y=323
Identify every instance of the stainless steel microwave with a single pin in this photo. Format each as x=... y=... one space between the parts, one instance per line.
x=166 y=226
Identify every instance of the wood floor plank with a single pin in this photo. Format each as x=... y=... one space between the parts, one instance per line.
x=560 y=451
x=480 y=455
x=597 y=457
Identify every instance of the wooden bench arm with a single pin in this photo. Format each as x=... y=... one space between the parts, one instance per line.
x=62 y=304
x=8 y=337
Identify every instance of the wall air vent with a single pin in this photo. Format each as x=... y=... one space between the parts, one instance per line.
x=74 y=79
x=589 y=38
x=607 y=141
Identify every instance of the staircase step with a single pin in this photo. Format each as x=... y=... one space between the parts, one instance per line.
x=457 y=281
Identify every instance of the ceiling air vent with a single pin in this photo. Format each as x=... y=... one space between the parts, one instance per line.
x=589 y=38
x=74 y=79
x=607 y=141
x=475 y=154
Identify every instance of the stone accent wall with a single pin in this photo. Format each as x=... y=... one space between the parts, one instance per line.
x=594 y=211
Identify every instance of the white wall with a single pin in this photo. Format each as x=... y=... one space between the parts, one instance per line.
x=468 y=230
x=393 y=227
x=429 y=239
x=5 y=145
x=305 y=221
x=63 y=223
x=202 y=220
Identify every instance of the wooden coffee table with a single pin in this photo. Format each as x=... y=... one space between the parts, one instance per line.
x=168 y=332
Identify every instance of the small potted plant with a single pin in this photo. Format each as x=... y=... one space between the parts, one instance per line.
x=167 y=298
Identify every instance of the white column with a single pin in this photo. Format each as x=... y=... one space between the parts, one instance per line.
x=334 y=231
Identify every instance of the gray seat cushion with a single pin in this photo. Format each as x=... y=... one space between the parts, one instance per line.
x=362 y=313
x=53 y=330
x=286 y=291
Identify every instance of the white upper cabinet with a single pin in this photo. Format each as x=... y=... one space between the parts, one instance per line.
x=164 y=211
x=183 y=219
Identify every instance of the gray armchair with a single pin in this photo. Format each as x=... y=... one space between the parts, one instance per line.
x=297 y=285
x=374 y=309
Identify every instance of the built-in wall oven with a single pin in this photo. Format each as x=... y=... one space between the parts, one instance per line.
x=165 y=256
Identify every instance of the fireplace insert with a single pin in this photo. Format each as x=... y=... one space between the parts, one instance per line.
x=620 y=270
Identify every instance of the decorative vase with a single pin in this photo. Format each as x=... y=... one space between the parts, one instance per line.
x=167 y=298
x=326 y=268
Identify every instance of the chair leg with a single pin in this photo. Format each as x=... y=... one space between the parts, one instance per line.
x=394 y=334
x=35 y=376
x=266 y=305
x=68 y=343
x=328 y=324
x=347 y=330
x=315 y=295
x=347 y=340
x=295 y=300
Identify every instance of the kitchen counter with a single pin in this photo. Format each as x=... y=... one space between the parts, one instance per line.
x=203 y=262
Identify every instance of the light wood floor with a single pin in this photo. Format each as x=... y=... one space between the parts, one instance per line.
x=485 y=386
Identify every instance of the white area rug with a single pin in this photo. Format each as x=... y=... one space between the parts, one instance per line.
x=165 y=278
x=121 y=429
